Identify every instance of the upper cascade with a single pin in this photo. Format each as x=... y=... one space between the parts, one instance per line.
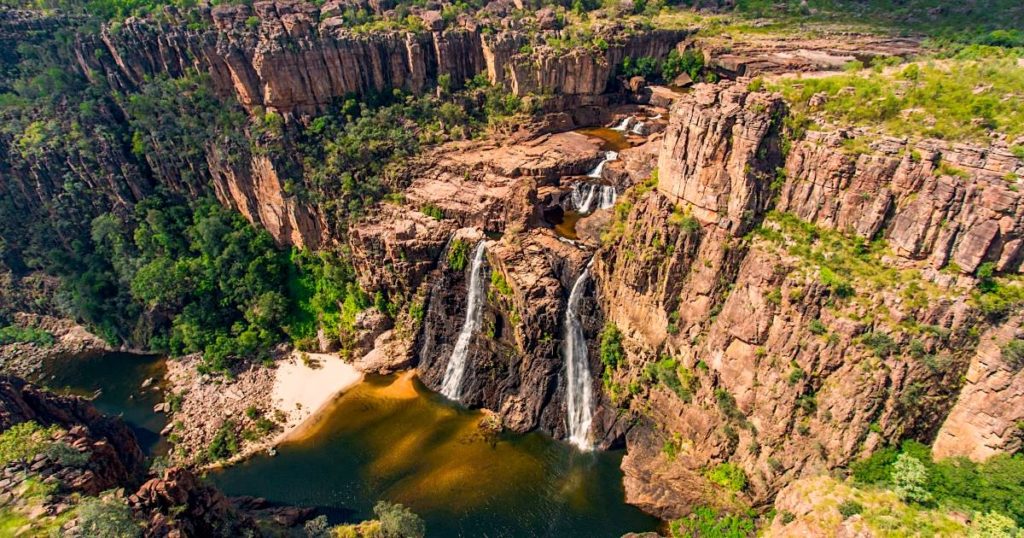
x=608 y=157
x=454 y=374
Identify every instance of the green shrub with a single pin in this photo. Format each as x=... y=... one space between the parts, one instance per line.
x=458 y=255
x=433 y=211
x=225 y=442
x=881 y=344
x=909 y=478
x=705 y=521
x=690 y=62
x=107 y=518
x=1013 y=353
x=644 y=66
x=817 y=327
x=850 y=508
x=29 y=335
x=24 y=441
x=728 y=475
x=397 y=521
x=612 y=352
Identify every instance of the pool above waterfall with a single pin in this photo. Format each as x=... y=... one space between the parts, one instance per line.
x=390 y=438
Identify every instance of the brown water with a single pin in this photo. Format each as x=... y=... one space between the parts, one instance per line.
x=611 y=140
x=567 y=228
x=390 y=438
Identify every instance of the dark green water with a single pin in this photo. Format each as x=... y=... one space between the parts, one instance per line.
x=389 y=438
x=118 y=379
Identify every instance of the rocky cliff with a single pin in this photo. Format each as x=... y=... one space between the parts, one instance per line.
x=757 y=336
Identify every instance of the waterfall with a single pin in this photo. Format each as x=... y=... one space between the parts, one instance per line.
x=638 y=128
x=608 y=196
x=584 y=195
x=608 y=157
x=577 y=366
x=451 y=387
x=624 y=124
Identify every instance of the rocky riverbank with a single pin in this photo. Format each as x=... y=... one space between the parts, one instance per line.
x=217 y=420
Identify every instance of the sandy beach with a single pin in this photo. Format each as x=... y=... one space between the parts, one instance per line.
x=302 y=388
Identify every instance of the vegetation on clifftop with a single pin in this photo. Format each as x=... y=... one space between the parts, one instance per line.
x=952 y=100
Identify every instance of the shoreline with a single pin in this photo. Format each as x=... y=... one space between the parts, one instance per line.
x=309 y=390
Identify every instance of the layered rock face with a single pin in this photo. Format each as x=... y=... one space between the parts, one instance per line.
x=298 y=57
x=986 y=419
x=115 y=457
x=932 y=201
x=769 y=364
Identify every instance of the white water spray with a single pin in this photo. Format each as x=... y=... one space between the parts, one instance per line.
x=624 y=124
x=579 y=390
x=454 y=373
x=609 y=156
x=585 y=194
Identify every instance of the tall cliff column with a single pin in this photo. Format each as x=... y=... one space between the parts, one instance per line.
x=987 y=416
x=720 y=153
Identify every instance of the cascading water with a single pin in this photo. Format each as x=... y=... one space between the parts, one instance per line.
x=584 y=195
x=624 y=124
x=608 y=157
x=454 y=373
x=579 y=390
x=608 y=196
x=638 y=128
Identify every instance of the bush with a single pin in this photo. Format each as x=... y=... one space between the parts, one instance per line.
x=29 y=335
x=612 y=352
x=24 y=441
x=224 y=443
x=66 y=455
x=850 y=508
x=645 y=66
x=690 y=62
x=1013 y=353
x=107 y=518
x=909 y=478
x=880 y=343
x=458 y=255
x=397 y=521
x=707 y=522
x=728 y=475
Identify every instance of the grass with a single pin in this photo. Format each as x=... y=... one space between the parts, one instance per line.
x=850 y=266
x=963 y=100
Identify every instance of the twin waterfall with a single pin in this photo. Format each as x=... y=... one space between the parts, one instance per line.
x=579 y=392
x=451 y=387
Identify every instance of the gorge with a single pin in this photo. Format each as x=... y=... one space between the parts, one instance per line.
x=338 y=268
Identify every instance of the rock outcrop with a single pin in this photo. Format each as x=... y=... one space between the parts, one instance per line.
x=988 y=414
x=739 y=347
x=115 y=458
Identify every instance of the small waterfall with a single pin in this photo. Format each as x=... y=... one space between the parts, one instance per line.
x=579 y=397
x=585 y=194
x=608 y=196
x=624 y=124
x=638 y=128
x=451 y=387
x=608 y=157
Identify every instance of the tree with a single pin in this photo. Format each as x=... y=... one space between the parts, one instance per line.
x=397 y=521
x=909 y=477
x=993 y=525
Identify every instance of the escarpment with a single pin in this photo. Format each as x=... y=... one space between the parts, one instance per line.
x=756 y=335
x=294 y=57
